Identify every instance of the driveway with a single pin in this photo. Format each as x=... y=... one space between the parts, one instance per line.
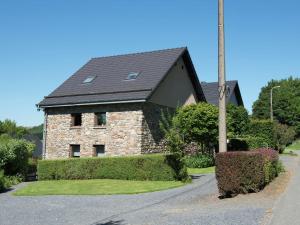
x=286 y=210
x=196 y=203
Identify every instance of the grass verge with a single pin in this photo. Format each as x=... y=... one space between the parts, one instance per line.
x=94 y=187
x=289 y=153
x=294 y=146
x=201 y=170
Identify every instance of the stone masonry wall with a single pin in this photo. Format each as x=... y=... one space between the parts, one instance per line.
x=122 y=134
x=152 y=138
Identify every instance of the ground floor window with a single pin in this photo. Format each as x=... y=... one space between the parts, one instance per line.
x=75 y=151
x=99 y=150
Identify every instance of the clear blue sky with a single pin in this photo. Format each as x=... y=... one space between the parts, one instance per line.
x=43 y=42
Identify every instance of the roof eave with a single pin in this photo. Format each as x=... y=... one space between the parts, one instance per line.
x=89 y=103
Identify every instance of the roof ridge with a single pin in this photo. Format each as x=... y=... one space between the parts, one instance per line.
x=215 y=82
x=138 y=53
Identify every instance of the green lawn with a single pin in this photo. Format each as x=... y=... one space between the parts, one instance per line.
x=294 y=146
x=94 y=187
x=201 y=171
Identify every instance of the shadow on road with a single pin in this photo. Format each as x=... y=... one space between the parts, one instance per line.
x=111 y=222
x=195 y=177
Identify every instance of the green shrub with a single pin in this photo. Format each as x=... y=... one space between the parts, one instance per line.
x=237 y=120
x=263 y=129
x=283 y=136
x=199 y=161
x=145 y=167
x=244 y=172
x=14 y=156
x=32 y=166
x=197 y=123
x=246 y=143
x=3 y=181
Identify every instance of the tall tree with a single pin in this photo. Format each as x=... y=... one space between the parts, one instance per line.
x=286 y=102
x=237 y=120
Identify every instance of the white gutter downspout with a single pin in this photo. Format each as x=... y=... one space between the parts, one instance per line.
x=45 y=134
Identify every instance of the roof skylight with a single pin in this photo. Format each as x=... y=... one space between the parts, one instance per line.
x=132 y=75
x=89 y=79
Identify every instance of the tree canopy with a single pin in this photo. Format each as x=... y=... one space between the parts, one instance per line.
x=286 y=102
x=237 y=120
x=10 y=128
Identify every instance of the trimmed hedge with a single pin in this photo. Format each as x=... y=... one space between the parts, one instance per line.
x=246 y=143
x=144 y=167
x=245 y=172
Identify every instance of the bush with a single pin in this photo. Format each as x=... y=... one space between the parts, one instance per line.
x=283 y=136
x=237 y=120
x=199 y=161
x=145 y=167
x=263 y=129
x=244 y=172
x=32 y=166
x=3 y=181
x=246 y=143
x=14 y=156
x=198 y=123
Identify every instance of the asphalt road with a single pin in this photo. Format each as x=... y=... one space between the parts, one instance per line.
x=196 y=203
x=286 y=210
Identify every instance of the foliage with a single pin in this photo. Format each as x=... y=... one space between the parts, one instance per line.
x=37 y=130
x=94 y=187
x=173 y=141
x=198 y=123
x=3 y=181
x=283 y=136
x=237 y=120
x=14 y=155
x=191 y=149
x=294 y=146
x=245 y=143
x=32 y=166
x=145 y=167
x=10 y=128
x=286 y=102
x=199 y=161
x=8 y=181
x=263 y=129
x=244 y=172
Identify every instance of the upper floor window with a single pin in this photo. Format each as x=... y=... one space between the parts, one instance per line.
x=100 y=119
x=76 y=119
x=75 y=151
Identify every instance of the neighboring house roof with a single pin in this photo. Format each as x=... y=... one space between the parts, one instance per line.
x=110 y=84
x=212 y=94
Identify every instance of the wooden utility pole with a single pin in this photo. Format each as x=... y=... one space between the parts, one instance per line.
x=222 y=81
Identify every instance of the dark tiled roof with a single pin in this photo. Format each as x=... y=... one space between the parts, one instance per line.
x=210 y=91
x=111 y=72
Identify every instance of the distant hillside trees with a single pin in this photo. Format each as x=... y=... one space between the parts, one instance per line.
x=37 y=130
x=11 y=129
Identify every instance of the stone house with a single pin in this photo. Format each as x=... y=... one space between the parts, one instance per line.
x=112 y=105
